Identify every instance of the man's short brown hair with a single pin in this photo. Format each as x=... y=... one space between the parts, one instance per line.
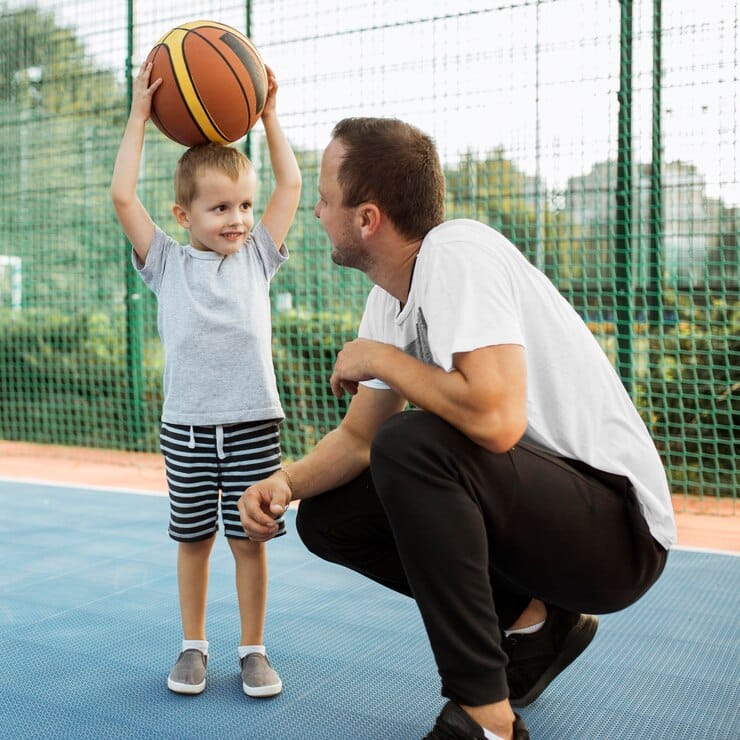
x=396 y=166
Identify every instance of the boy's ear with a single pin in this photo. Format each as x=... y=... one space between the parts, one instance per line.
x=181 y=215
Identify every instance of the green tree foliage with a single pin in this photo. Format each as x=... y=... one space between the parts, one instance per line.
x=689 y=394
x=60 y=116
x=45 y=66
x=493 y=190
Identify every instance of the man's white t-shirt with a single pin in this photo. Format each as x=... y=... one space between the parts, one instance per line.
x=472 y=288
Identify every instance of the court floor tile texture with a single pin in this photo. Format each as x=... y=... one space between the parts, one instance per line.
x=89 y=627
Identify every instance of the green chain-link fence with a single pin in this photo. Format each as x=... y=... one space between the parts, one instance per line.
x=600 y=136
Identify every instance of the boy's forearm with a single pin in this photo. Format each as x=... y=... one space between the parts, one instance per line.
x=283 y=160
x=127 y=164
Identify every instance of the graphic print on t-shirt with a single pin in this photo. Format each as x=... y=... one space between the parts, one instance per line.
x=419 y=347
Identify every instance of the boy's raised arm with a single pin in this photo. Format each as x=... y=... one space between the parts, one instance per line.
x=136 y=222
x=283 y=203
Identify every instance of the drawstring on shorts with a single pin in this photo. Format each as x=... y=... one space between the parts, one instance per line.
x=220 y=441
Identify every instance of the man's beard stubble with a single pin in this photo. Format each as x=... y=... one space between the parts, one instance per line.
x=350 y=252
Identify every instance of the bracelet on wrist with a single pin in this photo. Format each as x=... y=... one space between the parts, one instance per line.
x=289 y=479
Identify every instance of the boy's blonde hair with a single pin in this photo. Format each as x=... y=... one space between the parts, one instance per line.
x=208 y=156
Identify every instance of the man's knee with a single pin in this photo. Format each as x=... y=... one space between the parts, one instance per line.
x=409 y=430
x=409 y=450
x=308 y=525
x=337 y=527
x=330 y=522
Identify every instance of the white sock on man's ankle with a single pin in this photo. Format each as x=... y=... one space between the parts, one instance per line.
x=490 y=736
x=201 y=645
x=245 y=650
x=526 y=630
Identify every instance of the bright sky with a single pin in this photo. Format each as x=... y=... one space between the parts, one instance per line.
x=472 y=78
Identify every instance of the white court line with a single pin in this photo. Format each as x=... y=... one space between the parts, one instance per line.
x=82 y=486
x=708 y=550
x=90 y=487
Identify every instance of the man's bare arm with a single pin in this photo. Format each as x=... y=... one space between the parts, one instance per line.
x=484 y=395
x=337 y=459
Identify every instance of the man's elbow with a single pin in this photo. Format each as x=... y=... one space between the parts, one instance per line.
x=500 y=435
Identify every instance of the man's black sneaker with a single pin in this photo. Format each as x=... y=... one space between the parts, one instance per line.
x=454 y=723
x=535 y=659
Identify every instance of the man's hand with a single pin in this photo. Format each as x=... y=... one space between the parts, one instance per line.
x=354 y=363
x=261 y=503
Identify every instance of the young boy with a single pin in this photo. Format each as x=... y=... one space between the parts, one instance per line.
x=221 y=408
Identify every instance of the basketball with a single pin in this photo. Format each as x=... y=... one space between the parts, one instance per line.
x=214 y=83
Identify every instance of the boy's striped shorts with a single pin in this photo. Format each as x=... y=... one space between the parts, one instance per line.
x=203 y=461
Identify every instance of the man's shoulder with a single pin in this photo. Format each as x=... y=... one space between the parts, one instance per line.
x=380 y=299
x=464 y=237
x=465 y=231
x=462 y=226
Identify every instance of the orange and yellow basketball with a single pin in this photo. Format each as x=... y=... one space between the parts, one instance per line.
x=214 y=83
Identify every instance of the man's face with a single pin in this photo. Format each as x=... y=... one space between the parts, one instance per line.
x=338 y=221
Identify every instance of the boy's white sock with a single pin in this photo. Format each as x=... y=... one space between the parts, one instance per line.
x=201 y=645
x=245 y=650
x=525 y=630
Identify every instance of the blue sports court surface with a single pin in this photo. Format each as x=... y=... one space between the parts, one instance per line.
x=89 y=628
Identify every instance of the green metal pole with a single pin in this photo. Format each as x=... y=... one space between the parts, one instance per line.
x=539 y=247
x=655 y=278
x=248 y=32
x=623 y=236
x=134 y=309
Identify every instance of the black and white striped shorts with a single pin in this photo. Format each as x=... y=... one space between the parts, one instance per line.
x=202 y=461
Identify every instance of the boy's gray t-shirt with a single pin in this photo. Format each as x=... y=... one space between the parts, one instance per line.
x=213 y=318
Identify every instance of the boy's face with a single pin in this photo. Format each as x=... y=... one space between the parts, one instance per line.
x=221 y=215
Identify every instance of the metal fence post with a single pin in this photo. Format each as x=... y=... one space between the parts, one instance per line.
x=248 y=32
x=623 y=228
x=134 y=308
x=655 y=277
